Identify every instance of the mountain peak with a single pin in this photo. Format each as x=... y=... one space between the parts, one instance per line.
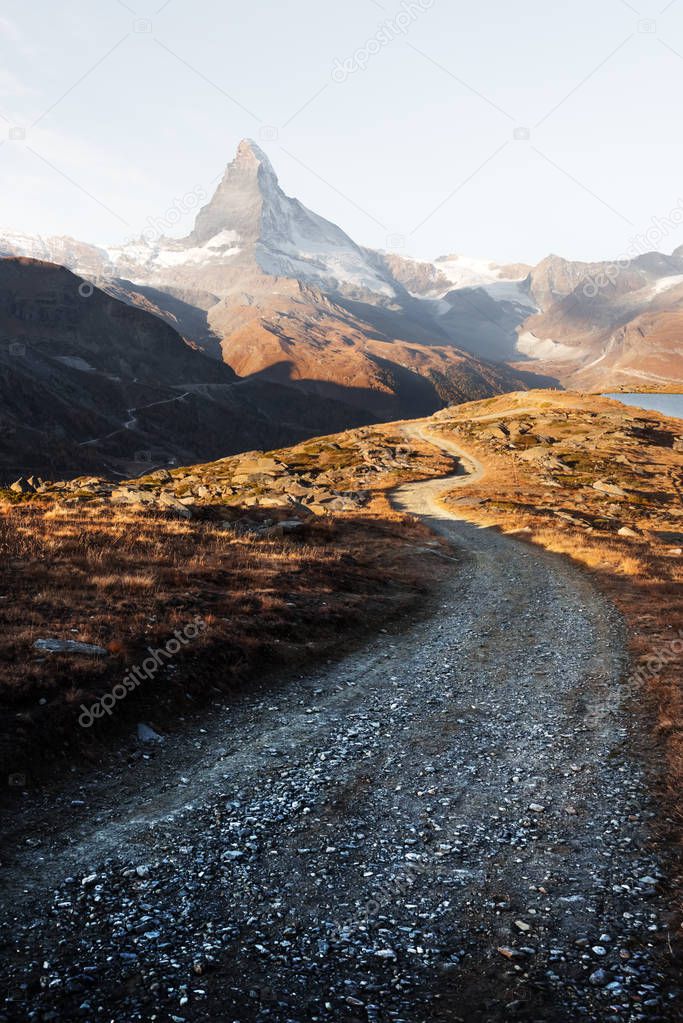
x=237 y=203
x=249 y=152
x=249 y=218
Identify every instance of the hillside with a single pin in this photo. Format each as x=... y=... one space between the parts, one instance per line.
x=92 y=383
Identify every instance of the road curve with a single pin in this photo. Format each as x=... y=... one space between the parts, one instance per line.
x=445 y=825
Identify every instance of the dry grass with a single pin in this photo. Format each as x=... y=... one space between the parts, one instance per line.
x=125 y=581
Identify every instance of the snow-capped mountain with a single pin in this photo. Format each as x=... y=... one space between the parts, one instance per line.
x=278 y=291
x=271 y=287
x=248 y=219
x=288 y=240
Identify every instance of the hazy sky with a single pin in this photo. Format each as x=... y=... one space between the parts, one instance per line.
x=396 y=120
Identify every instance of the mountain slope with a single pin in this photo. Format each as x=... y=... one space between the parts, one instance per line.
x=90 y=383
x=602 y=327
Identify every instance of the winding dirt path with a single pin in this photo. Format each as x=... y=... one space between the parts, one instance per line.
x=445 y=825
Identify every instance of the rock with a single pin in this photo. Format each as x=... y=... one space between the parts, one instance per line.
x=509 y=953
x=22 y=486
x=599 y=978
x=147 y=734
x=536 y=807
x=609 y=488
x=285 y=528
x=627 y=531
x=69 y=646
x=132 y=495
x=575 y=520
x=171 y=504
x=543 y=458
x=521 y=926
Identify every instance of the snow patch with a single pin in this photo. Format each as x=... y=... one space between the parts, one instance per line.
x=544 y=348
x=75 y=362
x=665 y=283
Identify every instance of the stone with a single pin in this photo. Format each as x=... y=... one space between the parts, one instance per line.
x=172 y=504
x=627 y=531
x=147 y=734
x=608 y=488
x=132 y=495
x=22 y=486
x=69 y=646
x=509 y=953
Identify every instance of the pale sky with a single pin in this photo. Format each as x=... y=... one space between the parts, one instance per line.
x=396 y=119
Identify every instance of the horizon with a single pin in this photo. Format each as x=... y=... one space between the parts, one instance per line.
x=638 y=245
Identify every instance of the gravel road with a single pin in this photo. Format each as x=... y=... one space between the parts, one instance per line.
x=448 y=824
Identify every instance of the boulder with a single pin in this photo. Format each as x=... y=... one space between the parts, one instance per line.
x=22 y=486
x=253 y=479
x=69 y=646
x=284 y=528
x=147 y=734
x=609 y=488
x=627 y=531
x=132 y=495
x=171 y=504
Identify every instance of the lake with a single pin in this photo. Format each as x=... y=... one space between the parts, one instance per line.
x=669 y=404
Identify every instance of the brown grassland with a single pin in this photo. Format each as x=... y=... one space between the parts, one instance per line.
x=125 y=579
